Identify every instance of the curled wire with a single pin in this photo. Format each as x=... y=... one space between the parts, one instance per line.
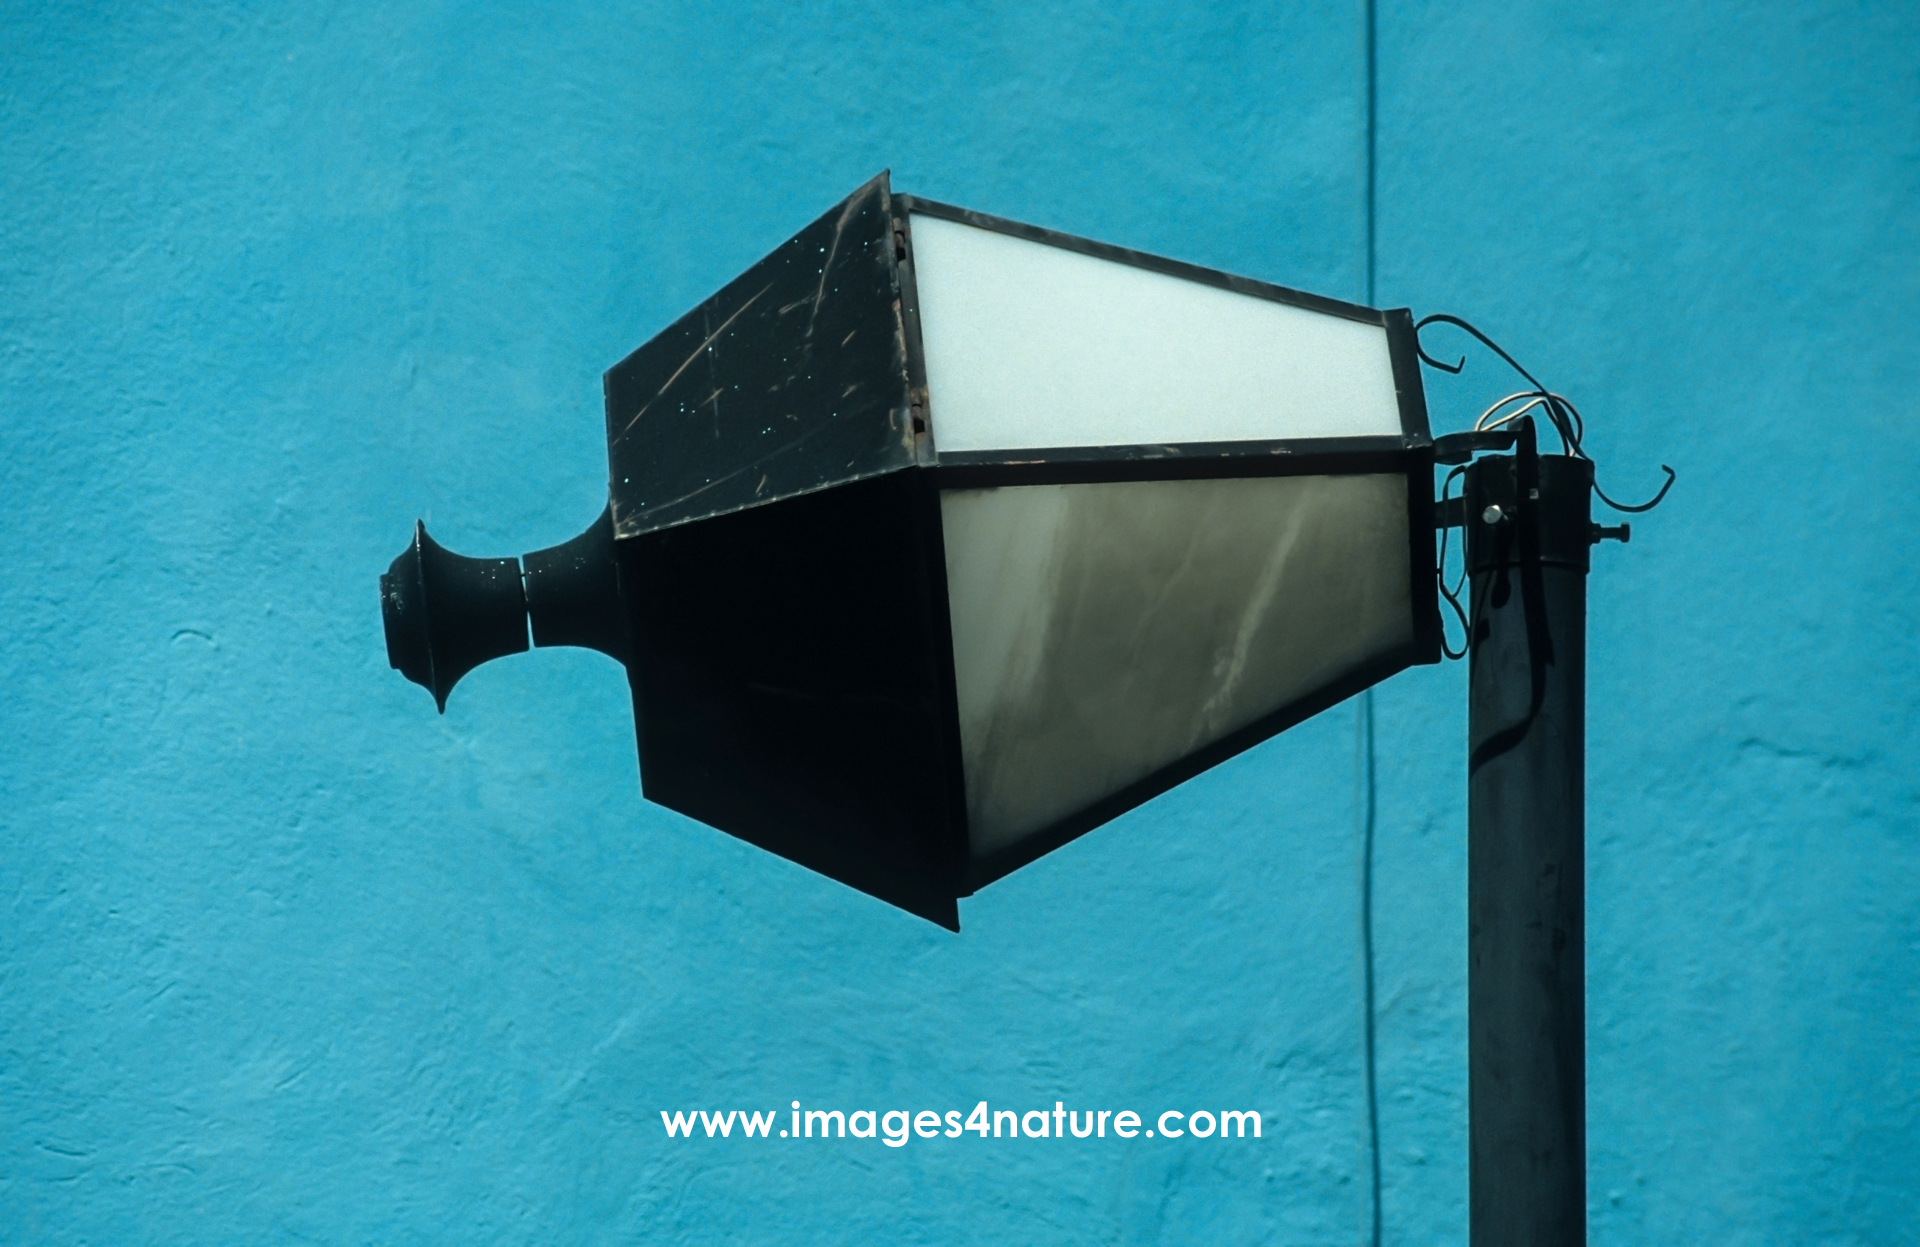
x=1636 y=508
x=1567 y=422
x=1563 y=415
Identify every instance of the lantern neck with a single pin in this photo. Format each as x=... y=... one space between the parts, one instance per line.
x=446 y=614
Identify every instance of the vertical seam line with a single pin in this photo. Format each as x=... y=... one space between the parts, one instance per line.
x=1365 y=760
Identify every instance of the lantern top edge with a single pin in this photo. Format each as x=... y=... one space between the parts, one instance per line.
x=808 y=371
x=908 y=204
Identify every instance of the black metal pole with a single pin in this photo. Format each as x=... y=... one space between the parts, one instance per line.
x=1529 y=534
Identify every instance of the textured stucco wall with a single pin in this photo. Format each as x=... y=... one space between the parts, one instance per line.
x=286 y=957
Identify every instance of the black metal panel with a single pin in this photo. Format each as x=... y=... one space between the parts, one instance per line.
x=791 y=379
x=789 y=687
x=1422 y=557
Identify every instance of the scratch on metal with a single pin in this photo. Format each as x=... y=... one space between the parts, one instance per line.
x=688 y=362
x=839 y=228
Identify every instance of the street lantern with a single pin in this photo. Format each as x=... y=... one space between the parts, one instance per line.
x=934 y=540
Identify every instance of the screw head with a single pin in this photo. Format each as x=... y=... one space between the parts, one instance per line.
x=1492 y=515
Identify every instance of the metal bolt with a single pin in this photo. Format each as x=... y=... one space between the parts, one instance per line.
x=1492 y=515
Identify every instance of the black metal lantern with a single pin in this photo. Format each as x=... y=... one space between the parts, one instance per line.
x=934 y=540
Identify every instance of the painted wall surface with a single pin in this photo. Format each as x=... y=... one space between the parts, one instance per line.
x=286 y=957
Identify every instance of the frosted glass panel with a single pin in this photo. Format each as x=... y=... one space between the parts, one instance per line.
x=1030 y=346
x=1103 y=631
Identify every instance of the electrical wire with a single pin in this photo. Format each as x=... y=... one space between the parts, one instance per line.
x=1486 y=420
x=1560 y=412
x=1452 y=595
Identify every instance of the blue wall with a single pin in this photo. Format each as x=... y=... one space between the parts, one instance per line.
x=286 y=957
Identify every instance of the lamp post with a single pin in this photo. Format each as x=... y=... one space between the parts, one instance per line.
x=1528 y=537
x=935 y=540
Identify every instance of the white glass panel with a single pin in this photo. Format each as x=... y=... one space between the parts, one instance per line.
x=1032 y=346
x=1103 y=631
